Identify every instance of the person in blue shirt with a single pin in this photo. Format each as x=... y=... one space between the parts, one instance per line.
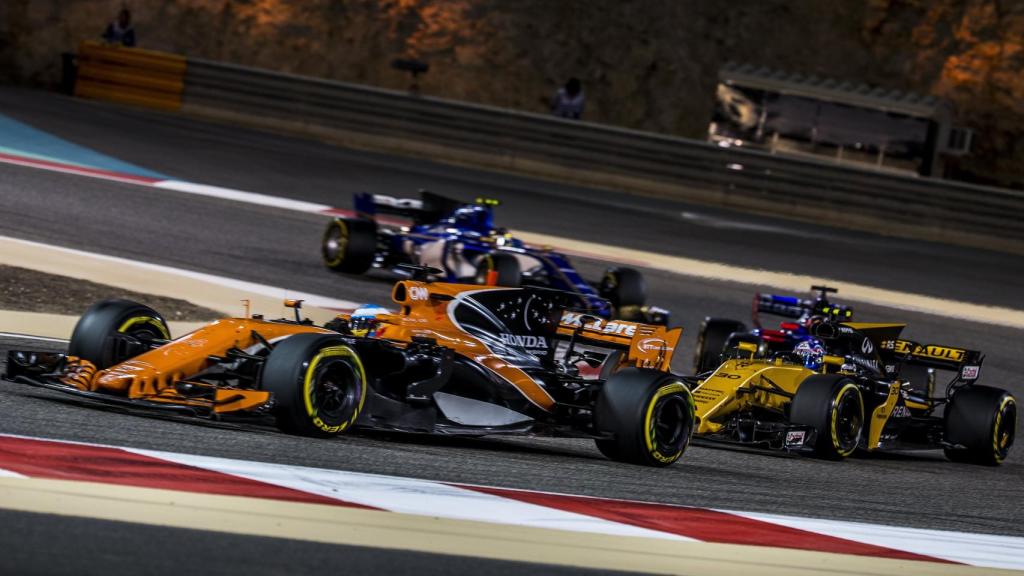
x=120 y=31
x=568 y=101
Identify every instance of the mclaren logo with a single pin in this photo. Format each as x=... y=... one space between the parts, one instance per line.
x=627 y=329
x=652 y=345
x=528 y=342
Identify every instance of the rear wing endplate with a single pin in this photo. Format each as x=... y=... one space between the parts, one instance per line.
x=647 y=346
x=426 y=209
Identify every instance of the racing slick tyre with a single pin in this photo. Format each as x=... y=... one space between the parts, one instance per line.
x=711 y=340
x=983 y=420
x=834 y=406
x=349 y=245
x=623 y=287
x=650 y=415
x=505 y=268
x=112 y=331
x=318 y=384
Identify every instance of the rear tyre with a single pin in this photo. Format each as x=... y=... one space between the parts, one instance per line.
x=623 y=287
x=349 y=245
x=502 y=265
x=711 y=342
x=834 y=406
x=112 y=331
x=318 y=384
x=650 y=415
x=983 y=420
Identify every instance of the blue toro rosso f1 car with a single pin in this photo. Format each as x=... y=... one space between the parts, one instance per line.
x=799 y=315
x=460 y=241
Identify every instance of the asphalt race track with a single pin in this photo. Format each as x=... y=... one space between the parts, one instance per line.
x=280 y=248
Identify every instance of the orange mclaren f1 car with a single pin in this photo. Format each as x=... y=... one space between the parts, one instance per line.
x=455 y=359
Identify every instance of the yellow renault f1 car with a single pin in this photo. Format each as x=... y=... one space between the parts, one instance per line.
x=456 y=359
x=841 y=391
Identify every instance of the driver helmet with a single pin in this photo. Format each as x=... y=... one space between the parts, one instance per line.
x=476 y=218
x=811 y=352
x=364 y=322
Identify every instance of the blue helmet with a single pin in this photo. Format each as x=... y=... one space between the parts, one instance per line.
x=811 y=352
x=363 y=321
x=477 y=218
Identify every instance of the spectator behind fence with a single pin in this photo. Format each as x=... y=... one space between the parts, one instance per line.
x=568 y=102
x=120 y=31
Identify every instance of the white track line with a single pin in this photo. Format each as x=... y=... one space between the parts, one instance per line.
x=789 y=282
x=999 y=316
x=242 y=196
x=409 y=496
x=438 y=499
x=30 y=337
x=683 y=266
x=973 y=549
x=8 y=474
x=240 y=285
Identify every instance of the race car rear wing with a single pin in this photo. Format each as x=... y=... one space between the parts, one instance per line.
x=427 y=209
x=966 y=362
x=797 y=308
x=646 y=345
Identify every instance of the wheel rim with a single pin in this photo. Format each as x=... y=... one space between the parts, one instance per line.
x=334 y=244
x=335 y=391
x=1005 y=428
x=849 y=421
x=670 y=424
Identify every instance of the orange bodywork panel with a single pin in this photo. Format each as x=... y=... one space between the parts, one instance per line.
x=646 y=345
x=425 y=314
x=153 y=374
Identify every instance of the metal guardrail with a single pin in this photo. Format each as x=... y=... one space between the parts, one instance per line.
x=591 y=153
x=736 y=176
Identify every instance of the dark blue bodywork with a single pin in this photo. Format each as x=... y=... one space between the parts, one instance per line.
x=447 y=235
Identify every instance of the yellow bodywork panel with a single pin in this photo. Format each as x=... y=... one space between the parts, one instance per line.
x=880 y=415
x=742 y=384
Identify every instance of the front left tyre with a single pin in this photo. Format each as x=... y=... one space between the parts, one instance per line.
x=349 y=245
x=648 y=415
x=112 y=331
x=834 y=406
x=981 y=424
x=318 y=384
